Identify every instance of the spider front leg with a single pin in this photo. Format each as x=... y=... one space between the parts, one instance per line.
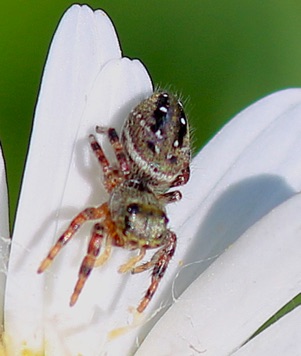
x=117 y=147
x=89 y=261
x=112 y=175
x=159 y=261
x=76 y=223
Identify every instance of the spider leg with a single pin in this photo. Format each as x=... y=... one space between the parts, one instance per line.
x=102 y=259
x=99 y=153
x=182 y=178
x=113 y=176
x=160 y=262
x=117 y=147
x=171 y=197
x=76 y=223
x=89 y=260
x=132 y=261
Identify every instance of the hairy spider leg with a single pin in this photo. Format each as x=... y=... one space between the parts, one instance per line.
x=86 y=215
x=105 y=230
x=171 y=197
x=91 y=257
x=113 y=176
x=117 y=147
x=181 y=178
x=159 y=261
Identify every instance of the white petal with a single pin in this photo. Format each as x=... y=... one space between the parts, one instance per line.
x=4 y=224
x=221 y=310
x=4 y=233
x=247 y=169
x=83 y=75
x=97 y=312
x=281 y=338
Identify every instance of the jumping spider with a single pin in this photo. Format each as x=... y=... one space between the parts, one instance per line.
x=153 y=155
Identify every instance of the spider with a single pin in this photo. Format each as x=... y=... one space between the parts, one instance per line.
x=153 y=155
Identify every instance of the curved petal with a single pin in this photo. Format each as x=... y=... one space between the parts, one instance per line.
x=245 y=286
x=4 y=233
x=83 y=75
x=4 y=223
x=84 y=328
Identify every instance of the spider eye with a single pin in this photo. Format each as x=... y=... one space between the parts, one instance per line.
x=129 y=220
x=133 y=208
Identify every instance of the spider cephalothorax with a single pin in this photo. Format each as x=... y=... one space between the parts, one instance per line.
x=153 y=155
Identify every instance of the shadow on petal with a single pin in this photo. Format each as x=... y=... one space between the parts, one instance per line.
x=237 y=209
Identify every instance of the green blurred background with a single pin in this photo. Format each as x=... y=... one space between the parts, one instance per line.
x=221 y=55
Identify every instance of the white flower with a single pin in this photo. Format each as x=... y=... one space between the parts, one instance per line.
x=242 y=194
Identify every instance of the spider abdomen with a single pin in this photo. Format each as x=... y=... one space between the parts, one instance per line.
x=156 y=139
